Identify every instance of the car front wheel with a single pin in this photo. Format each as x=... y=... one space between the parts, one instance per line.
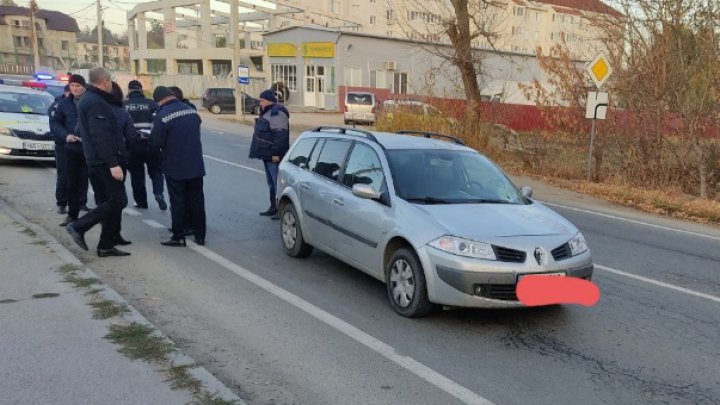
x=406 y=286
x=292 y=237
x=215 y=109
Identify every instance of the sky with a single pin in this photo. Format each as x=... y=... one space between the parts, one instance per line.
x=85 y=11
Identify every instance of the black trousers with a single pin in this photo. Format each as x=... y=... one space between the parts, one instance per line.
x=61 y=185
x=77 y=181
x=187 y=195
x=101 y=194
x=109 y=212
x=141 y=155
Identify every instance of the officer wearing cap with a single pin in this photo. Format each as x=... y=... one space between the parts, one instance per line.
x=63 y=125
x=60 y=166
x=176 y=131
x=142 y=110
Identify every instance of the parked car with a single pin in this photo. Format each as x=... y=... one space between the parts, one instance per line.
x=220 y=100
x=359 y=108
x=24 y=127
x=438 y=222
x=419 y=112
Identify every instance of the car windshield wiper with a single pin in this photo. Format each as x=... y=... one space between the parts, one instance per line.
x=428 y=200
x=486 y=201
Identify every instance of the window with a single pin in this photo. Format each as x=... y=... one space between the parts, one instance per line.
x=257 y=62
x=372 y=20
x=519 y=11
x=336 y=7
x=353 y=76
x=400 y=83
x=355 y=10
x=21 y=42
x=331 y=158
x=220 y=41
x=363 y=167
x=390 y=15
x=517 y=31
x=330 y=88
x=300 y=154
x=65 y=45
x=287 y=74
x=377 y=78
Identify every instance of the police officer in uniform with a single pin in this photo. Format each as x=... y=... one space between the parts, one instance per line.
x=141 y=110
x=176 y=131
x=60 y=166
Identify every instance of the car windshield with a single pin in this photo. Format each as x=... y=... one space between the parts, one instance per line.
x=55 y=91
x=34 y=103
x=450 y=177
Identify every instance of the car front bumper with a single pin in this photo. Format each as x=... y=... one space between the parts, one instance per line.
x=12 y=148
x=466 y=282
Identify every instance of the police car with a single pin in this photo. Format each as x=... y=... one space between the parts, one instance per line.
x=24 y=128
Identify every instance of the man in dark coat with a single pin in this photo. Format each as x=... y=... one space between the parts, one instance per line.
x=60 y=166
x=271 y=141
x=142 y=110
x=176 y=131
x=104 y=150
x=63 y=124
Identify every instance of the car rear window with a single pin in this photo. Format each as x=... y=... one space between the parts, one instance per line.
x=360 y=98
x=331 y=158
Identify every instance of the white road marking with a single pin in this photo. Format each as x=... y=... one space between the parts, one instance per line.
x=633 y=221
x=131 y=212
x=659 y=283
x=234 y=164
x=154 y=224
x=406 y=362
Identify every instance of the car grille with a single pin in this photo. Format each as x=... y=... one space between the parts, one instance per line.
x=562 y=252
x=29 y=153
x=32 y=136
x=504 y=254
x=505 y=292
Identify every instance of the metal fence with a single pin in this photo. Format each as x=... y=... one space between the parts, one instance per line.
x=16 y=69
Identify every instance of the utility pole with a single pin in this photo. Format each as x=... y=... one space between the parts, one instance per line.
x=100 y=26
x=234 y=32
x=33 y=33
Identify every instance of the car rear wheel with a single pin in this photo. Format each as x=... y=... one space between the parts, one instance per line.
x=292 y=237
x=215 y=109
x=406 y=286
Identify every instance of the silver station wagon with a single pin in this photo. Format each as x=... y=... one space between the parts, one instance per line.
x=439 y=223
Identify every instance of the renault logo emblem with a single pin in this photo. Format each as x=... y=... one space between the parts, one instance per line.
x=539 y=256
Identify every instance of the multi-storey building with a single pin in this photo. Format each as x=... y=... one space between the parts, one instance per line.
x=56 y=37
x=116 y=56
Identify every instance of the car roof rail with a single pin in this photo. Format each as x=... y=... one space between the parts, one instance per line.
x=427 y=134
x=346 y=131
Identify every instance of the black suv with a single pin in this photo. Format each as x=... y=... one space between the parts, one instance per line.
x=220 y=100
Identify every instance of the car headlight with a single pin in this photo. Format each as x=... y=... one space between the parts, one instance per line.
x=578 y=244
x=464 y=247
x=6 y=131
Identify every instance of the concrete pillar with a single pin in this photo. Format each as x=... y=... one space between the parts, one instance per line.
x=142 y=34
x=143 y=67
x=131 y=34
x=206 y=26
x=248 y=39
x=171 y=66
x=207 y=67
x=170 y=20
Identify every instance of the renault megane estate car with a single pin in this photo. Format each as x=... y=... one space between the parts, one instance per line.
x=439 y=223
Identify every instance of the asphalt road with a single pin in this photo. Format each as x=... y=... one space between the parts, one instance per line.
x=288 y=331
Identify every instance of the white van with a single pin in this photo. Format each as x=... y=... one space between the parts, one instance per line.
x=359 y=108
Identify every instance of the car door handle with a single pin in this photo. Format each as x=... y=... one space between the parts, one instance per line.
x=305 y=186
x=338 y=201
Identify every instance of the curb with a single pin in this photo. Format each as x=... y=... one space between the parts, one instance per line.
x=209 y=382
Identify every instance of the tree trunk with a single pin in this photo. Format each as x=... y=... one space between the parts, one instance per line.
x=459 y=34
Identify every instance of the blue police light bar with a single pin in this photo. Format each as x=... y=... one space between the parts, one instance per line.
x=44 y=76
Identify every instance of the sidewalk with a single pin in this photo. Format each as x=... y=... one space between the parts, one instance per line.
x=53 y=351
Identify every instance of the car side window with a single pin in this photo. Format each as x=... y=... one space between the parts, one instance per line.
x=364 y=167
x=331 y=158
x=300 y=154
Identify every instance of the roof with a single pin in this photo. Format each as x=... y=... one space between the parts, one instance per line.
x=55 y=20
x=593 y=6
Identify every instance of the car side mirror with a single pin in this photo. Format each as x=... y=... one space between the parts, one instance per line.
x=365 y=191
x=527 y=191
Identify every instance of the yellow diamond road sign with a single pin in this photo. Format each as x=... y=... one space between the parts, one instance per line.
x=599 y=69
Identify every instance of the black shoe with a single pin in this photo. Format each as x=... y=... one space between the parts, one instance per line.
x=200 y=241
x=141 y=206
x=84 y=207
x=67 y=220
x=78 y=237
x=174 y=242
x=62 y=210
x=122 y=241
x=111 y=252
x=270 y=212
x=188 y=232
x=161 y=202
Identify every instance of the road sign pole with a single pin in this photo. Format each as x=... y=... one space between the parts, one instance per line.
x=242 y=102
x=592 y=140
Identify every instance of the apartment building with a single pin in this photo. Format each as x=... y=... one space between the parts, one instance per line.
x=116 y=57
x=56 y=33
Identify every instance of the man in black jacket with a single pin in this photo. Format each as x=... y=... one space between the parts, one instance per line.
x=63 y=123
x=60 y=166
x=142 y=110
x=176 y=131
x=103 y=150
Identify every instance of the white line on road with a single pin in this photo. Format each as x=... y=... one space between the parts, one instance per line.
x=633 y=221
x=234 y=164
x=131 y=212
x=408 y=363
x=659 y=283
x=153 y=223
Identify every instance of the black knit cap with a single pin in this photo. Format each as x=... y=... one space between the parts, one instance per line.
x=161 y=92
x=134 y=85
x=77 y=79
